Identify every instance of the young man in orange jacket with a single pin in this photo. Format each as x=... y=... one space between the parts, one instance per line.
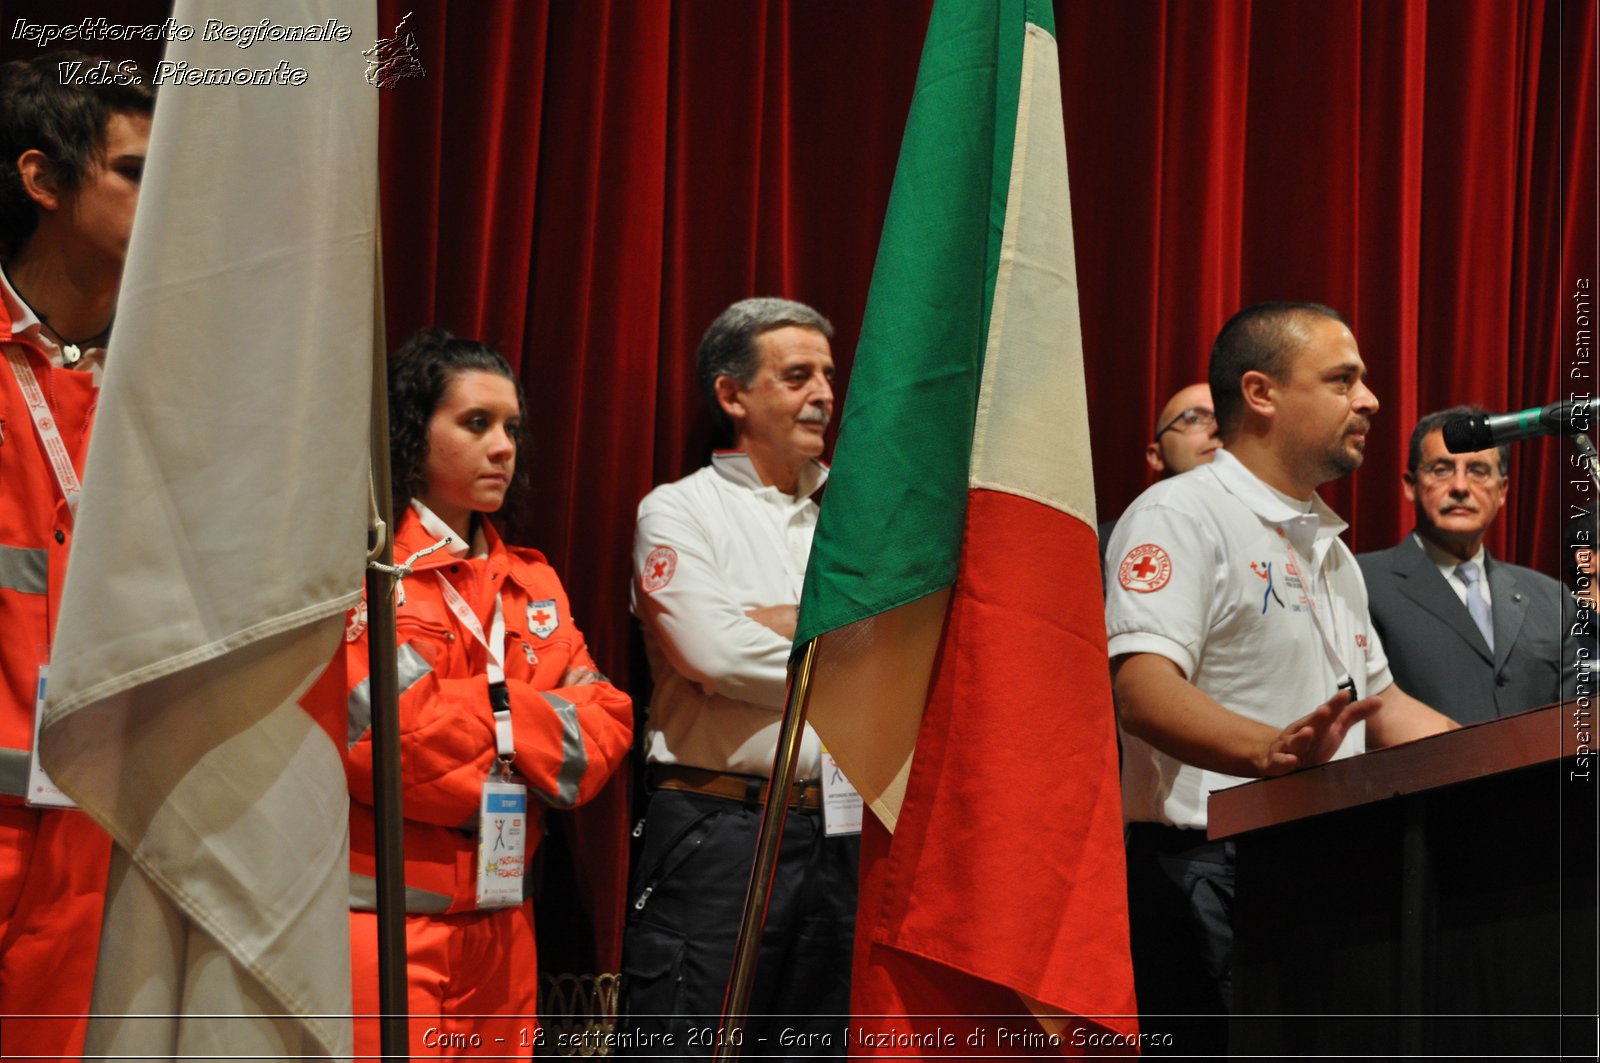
x=73 y=156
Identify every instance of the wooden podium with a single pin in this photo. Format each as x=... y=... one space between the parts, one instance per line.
x=1435 y=898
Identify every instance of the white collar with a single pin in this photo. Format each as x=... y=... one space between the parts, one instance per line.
x=436 y=527
x=1268 y=503
x=736 y=467
x=23 y=319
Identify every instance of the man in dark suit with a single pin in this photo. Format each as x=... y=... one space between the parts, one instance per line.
x=1476 y=637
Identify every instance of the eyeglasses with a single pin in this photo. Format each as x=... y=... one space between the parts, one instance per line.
x=1194 y=419
x=1442 y=471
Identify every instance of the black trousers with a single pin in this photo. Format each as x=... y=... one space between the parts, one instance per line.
x=688 y=890
x=1180 y=914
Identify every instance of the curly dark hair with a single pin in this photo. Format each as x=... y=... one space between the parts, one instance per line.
x=419 y=375
x=66 y=121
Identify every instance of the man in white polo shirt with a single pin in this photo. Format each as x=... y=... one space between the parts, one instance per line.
x=719 y=559
x=1240 y=641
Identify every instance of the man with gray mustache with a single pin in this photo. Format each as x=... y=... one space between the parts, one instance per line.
x=1463 y=629
x=719 y=560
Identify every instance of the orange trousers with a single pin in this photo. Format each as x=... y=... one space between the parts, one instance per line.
x=53 y=866
x=471 y=984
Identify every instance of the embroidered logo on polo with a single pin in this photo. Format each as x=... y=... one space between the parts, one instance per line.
x=658 y=569
x=1147 y=568
x=1263 y=569
x=543 y=618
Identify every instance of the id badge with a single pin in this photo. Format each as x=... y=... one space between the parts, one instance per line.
x=502 y=843
x=841 y=803
x=42 y=792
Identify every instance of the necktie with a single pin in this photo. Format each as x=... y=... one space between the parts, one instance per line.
x=1476 y=606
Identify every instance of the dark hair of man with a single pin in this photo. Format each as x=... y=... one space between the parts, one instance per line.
x=66 y=122
x=1435 y=422
x=420 y=373
x=729 y=346
x=1258 y=338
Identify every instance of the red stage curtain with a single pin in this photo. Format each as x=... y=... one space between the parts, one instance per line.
x=587 y=184
x=1406 y=163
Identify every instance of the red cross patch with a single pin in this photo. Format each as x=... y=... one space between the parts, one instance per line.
x=658 y=569
x=355 y=622
x=1146 y=568
x=543 y=618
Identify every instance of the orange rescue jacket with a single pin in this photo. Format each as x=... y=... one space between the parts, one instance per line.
x=568 y=739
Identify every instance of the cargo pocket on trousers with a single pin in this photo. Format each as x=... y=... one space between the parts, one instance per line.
x=652 y=971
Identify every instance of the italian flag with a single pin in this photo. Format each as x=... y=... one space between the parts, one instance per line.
x=960 y=676
x=220 y=541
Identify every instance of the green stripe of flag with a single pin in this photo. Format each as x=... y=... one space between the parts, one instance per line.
x=890 y=531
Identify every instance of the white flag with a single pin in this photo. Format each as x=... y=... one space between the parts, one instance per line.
x=220 y=539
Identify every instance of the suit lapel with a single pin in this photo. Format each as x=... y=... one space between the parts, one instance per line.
x=1508 y=608
x=1420 y=580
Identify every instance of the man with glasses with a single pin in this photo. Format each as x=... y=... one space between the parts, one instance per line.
x=1186 y=432
x=1185 y=437
x=1475 y=636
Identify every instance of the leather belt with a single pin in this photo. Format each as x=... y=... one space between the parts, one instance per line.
x=746 y=788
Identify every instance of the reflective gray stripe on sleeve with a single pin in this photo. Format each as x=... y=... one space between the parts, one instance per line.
x=574 y=760
x=364 y=897
x=411 y=667
x=14 y=772
x=24 y=570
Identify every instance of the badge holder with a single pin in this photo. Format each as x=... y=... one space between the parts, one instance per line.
x=841 y=802
x=502 y=817
x=42 y=791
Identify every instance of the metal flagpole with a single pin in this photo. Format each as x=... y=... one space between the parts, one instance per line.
x=736 y=1004
x=383 y=677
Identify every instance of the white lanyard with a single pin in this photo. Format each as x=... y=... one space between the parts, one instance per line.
x=469 y=620
x=44 y=423
x=495 y=646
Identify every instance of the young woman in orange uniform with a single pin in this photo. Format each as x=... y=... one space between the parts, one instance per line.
x=482 y=626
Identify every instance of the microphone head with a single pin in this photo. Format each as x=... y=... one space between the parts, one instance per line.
x=1465 y=435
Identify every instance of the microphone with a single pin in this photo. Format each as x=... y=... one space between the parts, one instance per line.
x=1482 y=431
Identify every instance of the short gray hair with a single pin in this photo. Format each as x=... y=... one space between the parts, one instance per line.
x=729 y=346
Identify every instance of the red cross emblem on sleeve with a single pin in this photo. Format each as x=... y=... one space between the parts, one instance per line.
x=1146 y=568
x=658 y=569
